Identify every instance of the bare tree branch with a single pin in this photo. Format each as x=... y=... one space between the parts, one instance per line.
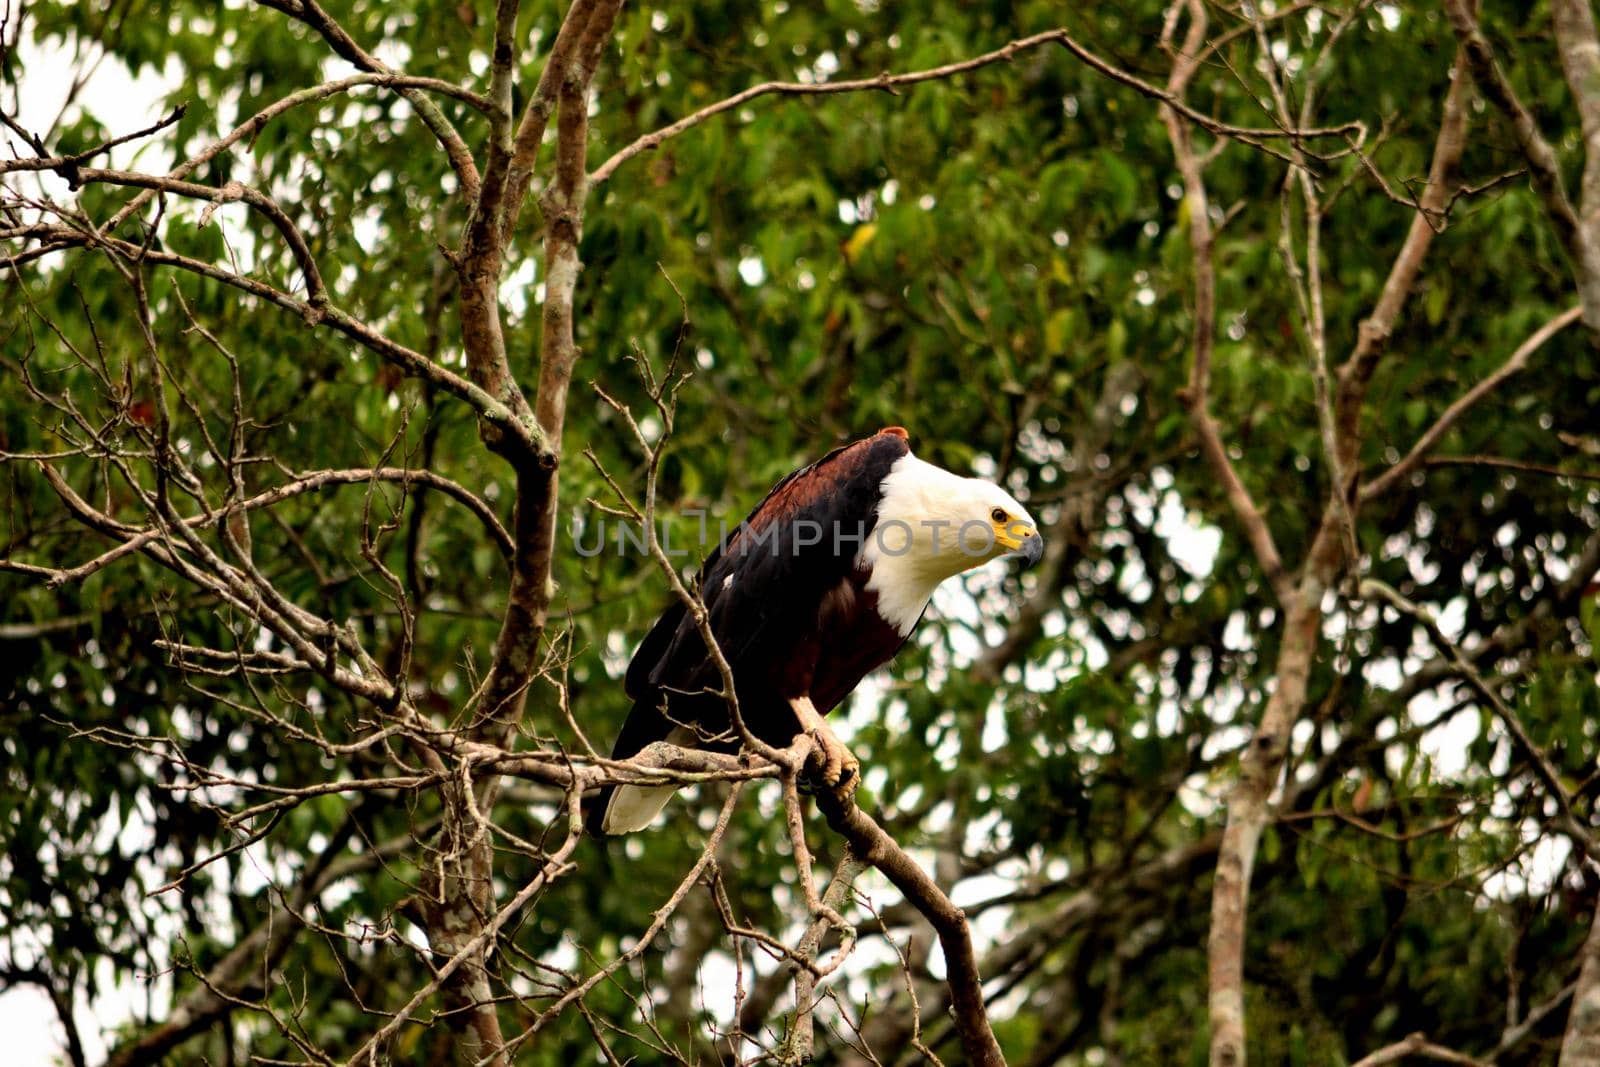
x=1431 y=437
x=411 y=362
x=1416 y=1045
x=1547 y=773
x=1576 y=234
x=874 y=846
x=312 y=14
x=889 y=82
x=66 y=165
x=1196 y=396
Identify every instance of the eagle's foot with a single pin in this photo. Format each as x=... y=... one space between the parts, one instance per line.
x=832 y=766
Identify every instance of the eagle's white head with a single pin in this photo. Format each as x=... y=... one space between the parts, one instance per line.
x=933 y=525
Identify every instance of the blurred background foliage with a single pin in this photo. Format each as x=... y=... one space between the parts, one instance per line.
x=999 y=263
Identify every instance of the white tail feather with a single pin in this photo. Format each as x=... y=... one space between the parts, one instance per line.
x=633 y=807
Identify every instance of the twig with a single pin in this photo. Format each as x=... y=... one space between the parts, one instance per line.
x=1551 y=778
x=1195 y=396
x=1416 y=1045
x=312 y=14
x=874 y=846
x=797 y=1046
x=67 y=165
x=1519 y=465
x=1544 y=167
x=552 y=869
x=889 y=82
x=1514 y=364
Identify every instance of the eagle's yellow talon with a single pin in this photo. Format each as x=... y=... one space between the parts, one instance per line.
x=838 y=769
x=849 y=778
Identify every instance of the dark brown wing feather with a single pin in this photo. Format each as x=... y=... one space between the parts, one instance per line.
x=762 y=590
x=840 y=489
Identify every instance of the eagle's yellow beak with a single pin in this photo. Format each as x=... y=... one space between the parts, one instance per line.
x=1021 y=540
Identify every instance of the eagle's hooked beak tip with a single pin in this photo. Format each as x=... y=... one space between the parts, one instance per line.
x=1031 y=550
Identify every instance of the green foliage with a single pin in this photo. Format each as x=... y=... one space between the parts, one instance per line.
x=973 y=259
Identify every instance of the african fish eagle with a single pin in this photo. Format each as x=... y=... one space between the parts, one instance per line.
x=822 y=584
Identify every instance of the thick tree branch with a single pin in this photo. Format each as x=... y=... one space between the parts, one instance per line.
x=1372 y=337
x=528 y=603
x=1261 y=764
x=482 y=257
x=1580 y=61
x=1580 y=1045
x=536 y=114
x=463 y=888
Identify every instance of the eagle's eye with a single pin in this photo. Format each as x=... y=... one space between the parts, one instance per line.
x=998 y=515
